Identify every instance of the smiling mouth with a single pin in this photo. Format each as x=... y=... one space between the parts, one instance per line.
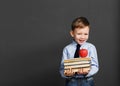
x=81 y=41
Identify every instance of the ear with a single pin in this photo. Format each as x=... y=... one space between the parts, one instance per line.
x=71 y=33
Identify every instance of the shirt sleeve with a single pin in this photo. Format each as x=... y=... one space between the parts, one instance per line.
x=64 y=56
x=94 y=61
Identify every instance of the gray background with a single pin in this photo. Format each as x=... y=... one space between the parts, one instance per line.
x=34 y=32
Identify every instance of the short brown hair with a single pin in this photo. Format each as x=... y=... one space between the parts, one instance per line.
x=79 y=22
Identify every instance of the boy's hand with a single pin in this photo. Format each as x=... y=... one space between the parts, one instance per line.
x=68 y=72
x=83 y=70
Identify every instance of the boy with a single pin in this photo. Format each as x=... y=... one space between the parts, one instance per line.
x=80 y=34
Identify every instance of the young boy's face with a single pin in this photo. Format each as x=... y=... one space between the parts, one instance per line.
x=80 y=35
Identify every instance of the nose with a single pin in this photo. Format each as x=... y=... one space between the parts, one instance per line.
x=82 y=36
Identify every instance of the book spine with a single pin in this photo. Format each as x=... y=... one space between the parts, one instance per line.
x=76 y=63
x=77 y=66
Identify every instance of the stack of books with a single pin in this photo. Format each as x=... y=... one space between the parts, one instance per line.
x=76 y=63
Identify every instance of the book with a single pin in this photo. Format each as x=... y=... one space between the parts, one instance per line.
x=77 y=66
x=76 y=70
x=77 y=63
x=77 y=59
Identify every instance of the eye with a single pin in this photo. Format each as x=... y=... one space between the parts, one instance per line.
x=86 y=34
x=79 y=33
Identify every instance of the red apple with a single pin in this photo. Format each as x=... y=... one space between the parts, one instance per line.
x=83 y=53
